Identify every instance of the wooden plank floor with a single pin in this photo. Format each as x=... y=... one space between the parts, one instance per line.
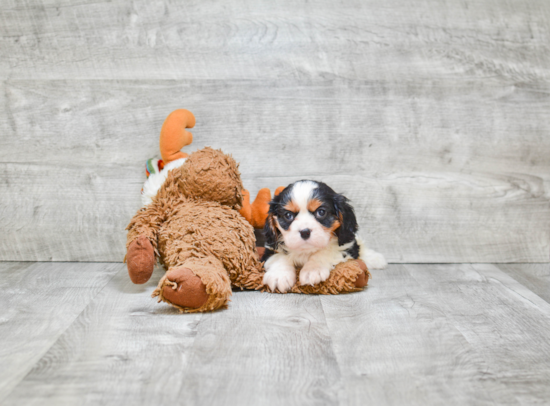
x=81 y=333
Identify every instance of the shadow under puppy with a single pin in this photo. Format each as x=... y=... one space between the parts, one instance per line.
x=310 y=226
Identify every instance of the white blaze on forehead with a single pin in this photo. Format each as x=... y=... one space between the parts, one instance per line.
x=302 y=192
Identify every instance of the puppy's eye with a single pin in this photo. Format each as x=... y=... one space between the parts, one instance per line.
x=320 y=213
x=289 y=215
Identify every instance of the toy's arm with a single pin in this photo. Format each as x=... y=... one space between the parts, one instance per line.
x=141 y=241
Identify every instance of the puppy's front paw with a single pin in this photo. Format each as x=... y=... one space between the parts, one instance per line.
x=280 y=276
x=375 y=260
x=312 y=274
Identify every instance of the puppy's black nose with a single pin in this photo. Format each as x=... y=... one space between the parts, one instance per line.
x=305 y=233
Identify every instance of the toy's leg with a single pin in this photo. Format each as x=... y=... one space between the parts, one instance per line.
x=349 y=276
x=141 y=259
x=198 y=285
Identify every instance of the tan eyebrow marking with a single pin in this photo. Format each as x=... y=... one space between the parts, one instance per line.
x=314 y=204
x=291 y=206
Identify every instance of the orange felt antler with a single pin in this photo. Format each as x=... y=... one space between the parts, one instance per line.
x=173 y=136
x=246 y=210
x=256 y=213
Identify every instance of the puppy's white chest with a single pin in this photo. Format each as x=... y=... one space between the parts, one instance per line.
x=299 y=259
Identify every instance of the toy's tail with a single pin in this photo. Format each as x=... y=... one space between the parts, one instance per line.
x=173 y=136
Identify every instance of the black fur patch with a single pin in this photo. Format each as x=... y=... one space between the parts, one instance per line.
x=340 y=210
x=348 y=227
x=353 y=251
x=260 y=238
x=277 y=207
x=325 y=194
x=267 y=254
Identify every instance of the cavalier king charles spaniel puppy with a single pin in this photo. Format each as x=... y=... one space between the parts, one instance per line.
x=312 y=227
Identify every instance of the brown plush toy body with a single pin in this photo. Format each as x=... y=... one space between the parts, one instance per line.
x=194 y=228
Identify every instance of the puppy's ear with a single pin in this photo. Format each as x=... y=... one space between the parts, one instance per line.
x=348 y=222
x=271 y=233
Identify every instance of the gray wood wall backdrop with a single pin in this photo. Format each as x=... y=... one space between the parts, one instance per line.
x=432 y=116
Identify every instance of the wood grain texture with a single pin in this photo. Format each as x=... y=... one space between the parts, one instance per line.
x=283 y=349
x=418 y=335
x=250 y=39
x=431 y=117
x=441 y=334
x=507 y=324
x=417 y=200
x=536 y=277
x=127 y=349
x=38 y=302
x=395 y=345
x=124 y=348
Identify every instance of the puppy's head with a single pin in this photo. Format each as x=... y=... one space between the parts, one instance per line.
x=307 y=215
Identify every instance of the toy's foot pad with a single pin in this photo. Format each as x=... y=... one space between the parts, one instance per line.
x=183 y=288
x=363 y=277
x=141 y=260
